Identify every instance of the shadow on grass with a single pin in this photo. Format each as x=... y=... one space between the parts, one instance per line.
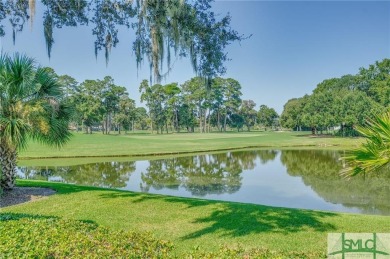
x=141 y=197
x=237 y=219
x=60 y=188
x=240 y=220
x=5 y=216
x=221 y=218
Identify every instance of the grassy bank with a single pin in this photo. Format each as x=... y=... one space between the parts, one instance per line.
x=146 y=145
x=193 y=222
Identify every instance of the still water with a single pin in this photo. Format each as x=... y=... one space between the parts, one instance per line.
x=284 y=178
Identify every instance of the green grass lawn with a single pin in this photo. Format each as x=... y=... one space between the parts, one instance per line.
x=189 y=223
x=146 y=145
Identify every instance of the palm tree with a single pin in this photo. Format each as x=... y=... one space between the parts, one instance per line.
x=374 y=154
x=30 y=108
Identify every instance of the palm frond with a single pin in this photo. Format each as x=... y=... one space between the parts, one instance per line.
x=57 y=121
x=30 y=103
x=14 y=132
x=48 y=84
x=374 y=154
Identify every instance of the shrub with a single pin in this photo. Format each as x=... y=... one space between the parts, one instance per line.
x=57 y=238
x=238 y=252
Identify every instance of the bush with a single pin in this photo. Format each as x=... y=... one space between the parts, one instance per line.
x=57 y=238
x=238 y=252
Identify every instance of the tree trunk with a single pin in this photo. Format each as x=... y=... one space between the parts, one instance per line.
x=177 y=121
x=200 y=121
x=218 y=122
x=205 y=121
x=209 y=126
x=151 y=123
x=224 y=123
x=8 y=158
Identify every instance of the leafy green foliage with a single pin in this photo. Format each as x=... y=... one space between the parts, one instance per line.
x=248 y=113
x=341 y=103
x=291 y=116
x=56 y=238
x=267 y=116
x=374 y=154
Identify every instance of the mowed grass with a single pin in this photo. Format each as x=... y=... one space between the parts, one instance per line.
x=145 y=145
x=189 y=223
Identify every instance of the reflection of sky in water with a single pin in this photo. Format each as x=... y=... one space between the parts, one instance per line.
x=267 y=184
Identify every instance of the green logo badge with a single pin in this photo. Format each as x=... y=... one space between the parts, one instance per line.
x=358 y=245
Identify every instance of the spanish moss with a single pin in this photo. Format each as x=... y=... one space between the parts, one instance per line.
x=187 y=29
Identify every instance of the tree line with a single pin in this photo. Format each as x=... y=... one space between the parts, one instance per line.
x=340 y=104
x=337 y=105
x=194 y=106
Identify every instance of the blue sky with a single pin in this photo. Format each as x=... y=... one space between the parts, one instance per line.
x=294 y=46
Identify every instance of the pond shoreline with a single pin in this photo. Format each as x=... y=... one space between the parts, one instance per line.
x=196 y=152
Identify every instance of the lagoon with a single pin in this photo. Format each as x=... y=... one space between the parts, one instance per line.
x=306 y=179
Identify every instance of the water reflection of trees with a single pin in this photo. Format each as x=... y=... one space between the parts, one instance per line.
x=203 y=174
x=106 y=174
x=36 y=173
x=321 y=171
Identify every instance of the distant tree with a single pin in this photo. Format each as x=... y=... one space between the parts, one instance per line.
x=346 y=101
x=187 y=117
x=266 y=116
x=248 y=113
x=111 y=95
x=236 y=121
x=194 y=94
x=146 y=96
x=125 y=115
x=291 y=116
x=232 y=102
x=69 y=84
x=320 y=111
x=88 y=103
x=71 y=89
x=355 y=108
x=375 y=81
x=141 y=119
x=218 y=92
x=172 y=91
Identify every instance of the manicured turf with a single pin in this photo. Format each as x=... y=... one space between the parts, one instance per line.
x=193 y=222
x=99 y=145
